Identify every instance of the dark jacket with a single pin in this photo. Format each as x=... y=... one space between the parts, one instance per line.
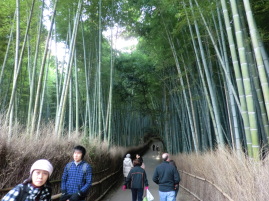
x=166 y=176
x=137 y=177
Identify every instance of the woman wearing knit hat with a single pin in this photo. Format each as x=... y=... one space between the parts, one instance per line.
x=36 y=187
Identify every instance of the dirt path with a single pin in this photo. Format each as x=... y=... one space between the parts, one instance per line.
x=151 y=160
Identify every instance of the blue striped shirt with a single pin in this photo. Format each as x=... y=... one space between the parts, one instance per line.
x=74 y=180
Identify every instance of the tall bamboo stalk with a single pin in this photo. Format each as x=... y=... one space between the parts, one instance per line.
x=33 y=74
x=238 y=76
x=246 y=80
x=99 y=70
x=201 y=75
x=45 y=81
x=61 y=110
x=219 y=134
x=254 y=34
x=40 y=77
x=194 y=135
x=77 y=94
x=16 y=67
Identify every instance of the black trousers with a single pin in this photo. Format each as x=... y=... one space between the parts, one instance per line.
x=137 y=194
x=128 y=184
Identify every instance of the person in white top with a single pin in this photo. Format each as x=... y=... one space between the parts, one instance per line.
x=127 y=166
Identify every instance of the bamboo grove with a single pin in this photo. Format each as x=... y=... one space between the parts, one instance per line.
x=198 y=77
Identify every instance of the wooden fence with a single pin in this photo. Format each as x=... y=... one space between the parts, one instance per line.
x=202 y=188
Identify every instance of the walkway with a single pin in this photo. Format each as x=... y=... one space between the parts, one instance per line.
x=151 y=160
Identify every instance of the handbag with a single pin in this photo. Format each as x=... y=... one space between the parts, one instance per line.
x=149 y=196
x=145 y=198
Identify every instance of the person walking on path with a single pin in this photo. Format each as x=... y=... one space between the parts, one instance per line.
x=166 y=176
x=77 y=177
x=137 y=178
x=157 y=148
x=153 y=147
x=127 y=166
x=36 y=187
x=137 y=156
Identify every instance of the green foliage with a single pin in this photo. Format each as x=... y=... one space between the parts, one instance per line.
x=7 y=9
x=261 y=12
x=136 y=81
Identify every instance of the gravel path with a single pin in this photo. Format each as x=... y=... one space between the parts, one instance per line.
x=151 y=160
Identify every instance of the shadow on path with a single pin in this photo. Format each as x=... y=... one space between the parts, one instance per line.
x=151 y=160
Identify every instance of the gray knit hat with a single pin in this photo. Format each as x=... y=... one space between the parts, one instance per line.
x=42 y=164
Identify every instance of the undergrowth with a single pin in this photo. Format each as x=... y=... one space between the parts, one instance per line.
x=21 y=151
x=234 y=174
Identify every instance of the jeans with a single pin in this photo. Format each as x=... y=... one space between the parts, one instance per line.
x=167 y=196
x=137 y=194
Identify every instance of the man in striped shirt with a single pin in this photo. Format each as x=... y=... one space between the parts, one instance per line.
x=77 y=177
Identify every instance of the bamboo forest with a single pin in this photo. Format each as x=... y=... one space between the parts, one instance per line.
x=196 y=74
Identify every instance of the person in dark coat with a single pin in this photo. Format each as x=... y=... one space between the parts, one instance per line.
x=153 y=147
x=137 y=178
x=157 y=148
x=166 y=176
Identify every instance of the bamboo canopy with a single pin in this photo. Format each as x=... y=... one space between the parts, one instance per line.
x=197 y=79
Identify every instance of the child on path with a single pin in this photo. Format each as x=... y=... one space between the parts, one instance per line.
x=36 y=187
x=137 y=178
